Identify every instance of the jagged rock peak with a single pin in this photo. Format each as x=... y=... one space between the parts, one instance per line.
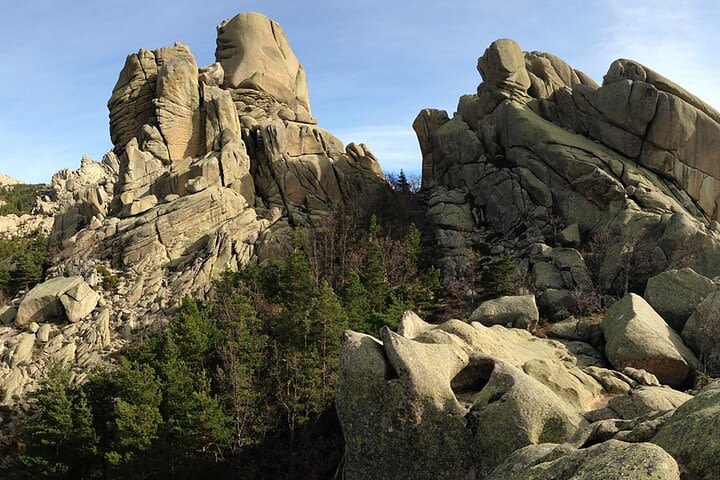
x=541 y=148
x=256 y=54
x=212 y=168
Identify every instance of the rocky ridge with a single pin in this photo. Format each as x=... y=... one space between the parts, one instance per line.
x=542 y=154
x=212 y=168
x=607 y=197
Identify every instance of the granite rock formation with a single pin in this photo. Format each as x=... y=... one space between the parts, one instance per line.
x=599 y=193
x=212 y=168
x=541 y=149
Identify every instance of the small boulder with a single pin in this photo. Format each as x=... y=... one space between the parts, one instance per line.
x=546 y=275
x=42 y=303
x=79 y=301
x=517 y=311
x=7 y=314
x=557 y=304
x=570 y=236
x=23 y=350
x=645 y=400
x=675 y=294
x=636 y=336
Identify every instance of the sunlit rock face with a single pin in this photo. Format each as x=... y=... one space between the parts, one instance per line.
x=212 y=168
x=541 y=147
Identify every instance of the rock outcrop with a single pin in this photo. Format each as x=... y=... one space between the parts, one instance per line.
x=456 y=400
x=542 y=154
x=212 y=168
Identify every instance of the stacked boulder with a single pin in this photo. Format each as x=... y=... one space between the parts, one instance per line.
x=542 y=154
x=212 y=168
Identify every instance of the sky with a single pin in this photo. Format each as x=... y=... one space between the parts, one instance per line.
x=371 y=65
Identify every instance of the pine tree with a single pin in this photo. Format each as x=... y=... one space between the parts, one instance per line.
x=195 y=426
x=136 y=421
x=194 y=335
x=390 y=316
x=242 y=359
x=402 y=184
x=61 y=442
x=414 y=246
x=498 y=278
x=356 y=304
x=373 y=270
x=295 y=285
x=328 y=322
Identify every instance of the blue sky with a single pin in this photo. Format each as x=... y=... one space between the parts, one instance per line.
x=371 y=65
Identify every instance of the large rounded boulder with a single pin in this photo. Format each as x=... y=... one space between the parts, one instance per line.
x=636 y=336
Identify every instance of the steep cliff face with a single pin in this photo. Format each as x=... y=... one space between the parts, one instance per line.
x=212 y=168
x=541 y=147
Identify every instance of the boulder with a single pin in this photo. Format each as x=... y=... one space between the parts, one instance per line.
x=636 y=336
x=644 y=400
x=572 y=328
x=23 y=350
x=42 y=303
x=570 y=236
x=255 y=53
x=675 y=294
x=690 y=435
x=611 y=460
x=702 y=332
x=79 y=301
x=557 y=304
x=517 y=311
x=546 y=275
x=7 y=314
x=402 y=400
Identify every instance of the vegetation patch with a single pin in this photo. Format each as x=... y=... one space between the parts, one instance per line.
x=21 y=199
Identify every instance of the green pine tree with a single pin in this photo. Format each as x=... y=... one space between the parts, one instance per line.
x=357 y=306
x=61 y=442
x=136 y=422
x=498 y=278
x=328 y=322
x=194 y=335
x=241 y=351
x=402 y=184
x=373 y=270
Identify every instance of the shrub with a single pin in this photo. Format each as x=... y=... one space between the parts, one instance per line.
x=110 y=281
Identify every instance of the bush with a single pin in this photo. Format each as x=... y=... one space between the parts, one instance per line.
x=110 y=281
